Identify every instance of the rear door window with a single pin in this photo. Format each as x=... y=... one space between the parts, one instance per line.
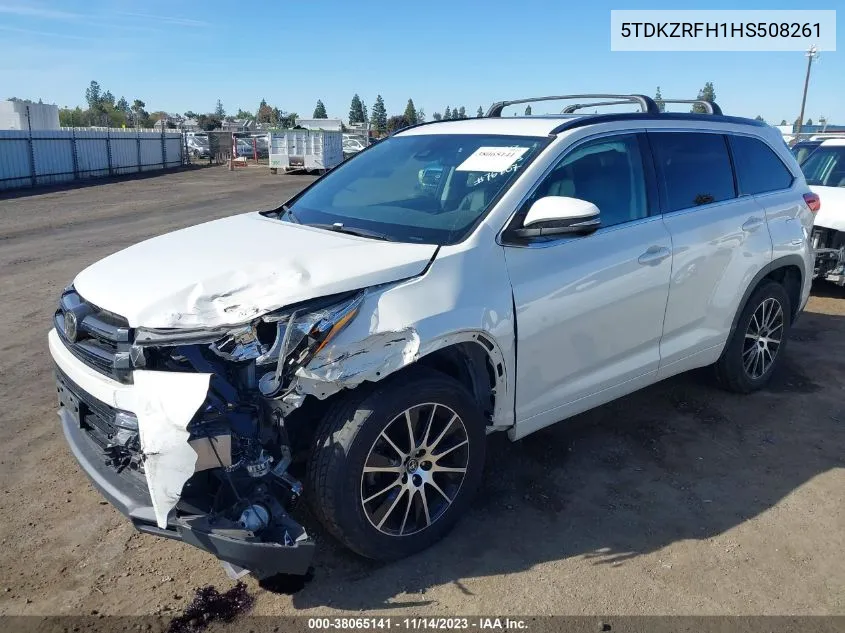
x=758 y=168
x=693 y=169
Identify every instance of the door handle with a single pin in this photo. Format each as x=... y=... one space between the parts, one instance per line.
x=654 y=255
x=752 y=224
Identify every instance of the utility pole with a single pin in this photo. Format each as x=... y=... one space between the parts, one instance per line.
x=812 y=53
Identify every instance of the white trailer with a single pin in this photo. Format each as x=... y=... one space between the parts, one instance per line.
x=309 y=150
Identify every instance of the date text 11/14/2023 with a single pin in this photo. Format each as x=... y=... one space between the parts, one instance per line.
x=417 y=624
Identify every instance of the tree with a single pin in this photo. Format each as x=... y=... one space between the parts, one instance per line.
x=190 y=114
x=122 y=105
x=320 y=111
x=410 y=114
x=462 y=113
x=356 y=110
x=420 y=116
x=209 y=122
x=479 y=113
x=528 y=110
x=437 y=116
x=759 y=118
x=707 y=93
x=658 y=99
x=139 y=115
x=218 y=110
x=397 y=123
x=107 y=99
x=783 y=122
x=809 y=122
x=378 y=120
x=266 y=113
x=93 y=95
x=447 y=113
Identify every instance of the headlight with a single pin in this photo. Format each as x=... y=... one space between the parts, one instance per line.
x=295 y=335
x=300 y=335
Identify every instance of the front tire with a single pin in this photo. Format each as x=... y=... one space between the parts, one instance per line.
x=756 y=345
x=395 y=466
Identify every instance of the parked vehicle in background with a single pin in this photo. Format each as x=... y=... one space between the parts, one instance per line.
x=802 y=149
x=244 y=147
x=262 y=146
x=198 y=146
x=358 y=343
x=824 y=170
x=352 y=145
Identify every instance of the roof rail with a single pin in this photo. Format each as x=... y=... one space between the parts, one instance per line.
x=711 y=106
x=646 y=104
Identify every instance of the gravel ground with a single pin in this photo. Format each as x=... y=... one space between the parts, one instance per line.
x=680 y=499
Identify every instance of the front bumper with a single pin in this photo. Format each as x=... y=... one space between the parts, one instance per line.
x=128 y=491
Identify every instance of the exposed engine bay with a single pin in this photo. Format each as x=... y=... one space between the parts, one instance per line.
x=829 y=248
x=216 y=425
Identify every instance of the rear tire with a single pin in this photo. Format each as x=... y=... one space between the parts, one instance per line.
x=421 y=438
x=756 y=346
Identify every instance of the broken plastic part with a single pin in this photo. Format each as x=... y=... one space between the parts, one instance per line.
x=165 y=402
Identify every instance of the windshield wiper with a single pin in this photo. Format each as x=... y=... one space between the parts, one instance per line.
x=287 y=210
x=339 y=228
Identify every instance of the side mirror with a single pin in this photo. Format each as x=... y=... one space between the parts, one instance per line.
x=560 y=215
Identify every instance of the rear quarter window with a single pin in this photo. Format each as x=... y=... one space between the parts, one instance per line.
x=758 y=168
x=693 y=169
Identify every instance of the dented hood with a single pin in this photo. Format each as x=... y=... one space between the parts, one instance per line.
x=229 y=271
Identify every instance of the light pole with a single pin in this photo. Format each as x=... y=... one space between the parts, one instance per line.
x=812 y=53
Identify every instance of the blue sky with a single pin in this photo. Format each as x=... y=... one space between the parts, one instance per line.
x=178 y=56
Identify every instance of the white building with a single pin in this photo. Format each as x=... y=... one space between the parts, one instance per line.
x=27 y=115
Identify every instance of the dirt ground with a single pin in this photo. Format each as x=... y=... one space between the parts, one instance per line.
x=680 y=499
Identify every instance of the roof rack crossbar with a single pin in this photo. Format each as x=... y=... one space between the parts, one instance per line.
x=646 y=104
x=579 y=106
x=711 y=106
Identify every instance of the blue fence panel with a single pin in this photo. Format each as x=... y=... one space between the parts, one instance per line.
x=39 y=157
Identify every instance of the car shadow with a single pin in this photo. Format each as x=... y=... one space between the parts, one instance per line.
x=679 y=460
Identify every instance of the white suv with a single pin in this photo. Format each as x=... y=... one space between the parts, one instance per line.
x=459 y=278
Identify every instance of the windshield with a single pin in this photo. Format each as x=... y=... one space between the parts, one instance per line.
x=802 y=151
x=428 y=188
x=825 y=167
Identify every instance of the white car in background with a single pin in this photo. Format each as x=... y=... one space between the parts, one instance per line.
x=352 y=144
x=824 y=170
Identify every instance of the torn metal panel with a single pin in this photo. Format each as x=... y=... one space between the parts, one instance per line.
x=165 y=402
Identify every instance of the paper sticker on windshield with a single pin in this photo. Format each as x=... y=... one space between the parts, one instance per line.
x=492 y=159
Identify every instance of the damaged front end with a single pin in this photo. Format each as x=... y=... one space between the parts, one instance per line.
x=829 y=251
x=195 y=442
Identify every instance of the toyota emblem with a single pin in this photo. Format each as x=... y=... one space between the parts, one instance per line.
x=70 y=327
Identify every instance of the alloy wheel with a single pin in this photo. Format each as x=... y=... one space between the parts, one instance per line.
x=763 y=338
x=414 y=469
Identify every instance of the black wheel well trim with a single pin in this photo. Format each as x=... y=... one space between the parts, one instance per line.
x=766 y=273
x=476 y=362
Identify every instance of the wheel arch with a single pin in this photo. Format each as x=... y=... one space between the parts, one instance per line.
x=788 y=271
x=474 y=359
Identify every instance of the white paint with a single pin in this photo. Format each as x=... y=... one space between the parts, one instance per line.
x=164 y=408
x=831 y=215
x=164 y=403
x=492 y=159
x=232 y=270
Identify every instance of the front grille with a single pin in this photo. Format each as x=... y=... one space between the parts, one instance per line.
x=120 y=447
x=97 y=337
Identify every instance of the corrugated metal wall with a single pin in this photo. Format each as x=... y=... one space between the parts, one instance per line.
x=42 y=157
